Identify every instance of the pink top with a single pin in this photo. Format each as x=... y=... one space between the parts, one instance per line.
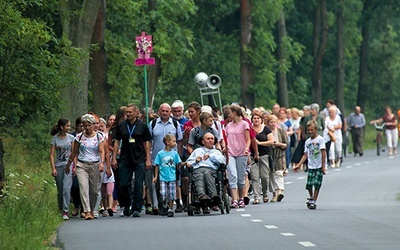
x=236 y=137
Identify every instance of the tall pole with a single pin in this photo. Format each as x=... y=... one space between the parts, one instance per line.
x=146 y=93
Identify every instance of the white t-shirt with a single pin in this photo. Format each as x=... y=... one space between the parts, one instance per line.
x=89 y=147
x=330 y=124
x=313 y=149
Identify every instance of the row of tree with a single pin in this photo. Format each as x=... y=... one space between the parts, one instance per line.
x=68 y=57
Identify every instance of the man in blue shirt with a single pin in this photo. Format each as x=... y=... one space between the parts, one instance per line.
x=356 y=122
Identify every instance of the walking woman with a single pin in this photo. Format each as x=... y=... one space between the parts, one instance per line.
x=279 y=158
x=89 y=147
x=391 y=131
x=238 y=137
x=260 y=169
x=60 y=151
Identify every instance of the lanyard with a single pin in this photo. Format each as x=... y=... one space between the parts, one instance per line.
x=129 y=130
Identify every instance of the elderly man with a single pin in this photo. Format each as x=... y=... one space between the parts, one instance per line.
x=356 y=121
x=205 y=162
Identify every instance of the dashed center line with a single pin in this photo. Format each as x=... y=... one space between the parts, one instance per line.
x=256 y=220
x=289 y=182
x=301 y=178
x=271 y=226
x=306 y=244
x=288 y=234
x=246 y=215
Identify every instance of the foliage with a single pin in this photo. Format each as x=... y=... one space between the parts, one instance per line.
x=28 y=203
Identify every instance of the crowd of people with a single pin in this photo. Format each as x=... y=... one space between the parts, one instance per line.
x=138 y=160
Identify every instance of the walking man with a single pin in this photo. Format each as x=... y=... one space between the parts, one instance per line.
x=356 y=121
x=134 y=158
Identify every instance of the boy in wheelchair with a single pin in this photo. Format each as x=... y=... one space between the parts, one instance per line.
x=205 y=162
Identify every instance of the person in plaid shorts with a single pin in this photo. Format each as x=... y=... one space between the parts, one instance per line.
x=314 y=151
x=166 y=163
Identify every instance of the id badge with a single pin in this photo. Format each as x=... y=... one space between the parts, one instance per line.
x=131 y=140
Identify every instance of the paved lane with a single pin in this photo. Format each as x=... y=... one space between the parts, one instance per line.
x=357 y=209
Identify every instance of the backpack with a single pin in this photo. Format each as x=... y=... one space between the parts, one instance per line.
x=175 y=122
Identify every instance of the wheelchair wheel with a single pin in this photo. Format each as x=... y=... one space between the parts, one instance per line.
x=222 y=207
x=226 y=203
x=190 y=210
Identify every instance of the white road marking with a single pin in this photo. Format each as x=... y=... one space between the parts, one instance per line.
x=306 y=244
x=289 y=182
x=271 y=226
x=301 y=178
x=366 y=162
x=288 y=234
x=358 y=164
x=240 y=210
x=246 y=215
x=337 y=169
x=349 y=166
x=256 y=220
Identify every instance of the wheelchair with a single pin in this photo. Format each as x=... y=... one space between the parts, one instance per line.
x=221 y=183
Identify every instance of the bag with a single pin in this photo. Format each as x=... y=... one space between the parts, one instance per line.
x=271 y=162
x=332 y=136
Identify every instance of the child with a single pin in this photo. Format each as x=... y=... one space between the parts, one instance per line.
x=107 y=189
x=314 y=150
x=165 y=171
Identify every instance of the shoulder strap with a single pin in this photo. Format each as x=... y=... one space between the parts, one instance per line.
x=80 y=137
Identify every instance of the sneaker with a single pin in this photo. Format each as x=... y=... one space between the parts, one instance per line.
x=215 y=208
x=155 y=211
x=234 y=204
x=241 y=203
x=246 y=200
x=121 y=214
x=179 y=209
x=104 y=214
x=127 y=211
x=110 y=212
x=170 y=213
x=148 y=210
x=115 y=210
x=313 y=205
x=95 y=214
x=309 y=201
x=65 y=216
x=101 y=211
x=136 y=214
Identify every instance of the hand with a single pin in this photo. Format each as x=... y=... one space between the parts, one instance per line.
x=148 y=164
x=114 y=163
x=155 y=180
x=198 y=159
x=206 y=156
x=256 y=157
x=67 y=169
x=54 y=172
x=101 y=167
x=108 y=172
x=323 y=170
x=295 y=168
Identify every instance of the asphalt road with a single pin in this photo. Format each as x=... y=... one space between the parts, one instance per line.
x=358 y=208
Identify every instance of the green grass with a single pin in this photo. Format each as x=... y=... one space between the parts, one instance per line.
x=28 y=205
x=369 y=140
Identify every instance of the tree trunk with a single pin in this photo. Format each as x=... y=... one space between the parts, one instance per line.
x=281 y=54
x=340 y=74
x=246 y=68
x=98 y=66
x=2 y=168
x=320 y=35
x=364 y=52
x=78 y=22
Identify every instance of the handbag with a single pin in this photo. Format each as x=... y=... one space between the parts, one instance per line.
x=332 y=136
x=271 y=162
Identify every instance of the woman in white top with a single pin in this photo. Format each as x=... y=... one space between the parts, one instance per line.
x=333 y=123
x=89 y=147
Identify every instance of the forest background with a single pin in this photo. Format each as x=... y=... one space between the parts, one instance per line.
x=62 y=58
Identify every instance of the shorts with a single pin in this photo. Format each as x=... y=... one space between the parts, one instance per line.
x=314 y=178
x=168 y=190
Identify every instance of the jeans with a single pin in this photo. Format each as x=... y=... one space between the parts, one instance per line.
x=129 y=197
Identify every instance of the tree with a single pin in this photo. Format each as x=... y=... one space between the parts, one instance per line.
x=320 y=35
x=78 y=20
x=340 y=71
x=246 y=68
x=281 y=56
x=98 y=66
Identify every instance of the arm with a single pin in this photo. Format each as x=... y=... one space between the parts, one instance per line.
x=155 y=174
x=114 y=155
x=303 y=158
x=323 y=152
x=376 y=121
x=269 y=142
x=74 y=153
x=107 y=158
x=52 y=164
x=147 y=148
x=102 y=156
x=248 y=141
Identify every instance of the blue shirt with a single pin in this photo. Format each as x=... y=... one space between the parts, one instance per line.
x=167 y=161
x=160 y=130
x=355 y=120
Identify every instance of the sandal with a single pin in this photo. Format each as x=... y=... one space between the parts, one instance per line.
x=234 y=204
x=203 y=197
x=265 y=199
x=256 y=201
x=241 y=203
x=75 y=212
